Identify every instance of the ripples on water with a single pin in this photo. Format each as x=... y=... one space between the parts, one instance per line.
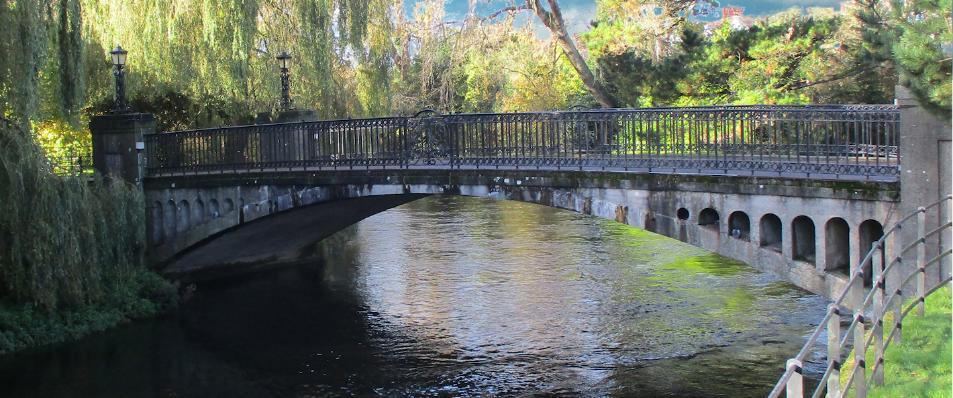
x=451 y=296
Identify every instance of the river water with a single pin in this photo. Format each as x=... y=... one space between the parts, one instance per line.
x=452 y=296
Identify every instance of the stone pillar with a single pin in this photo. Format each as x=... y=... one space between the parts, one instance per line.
x=296 y=115
x=820 y=246
x=924 y=174
x=118 y=144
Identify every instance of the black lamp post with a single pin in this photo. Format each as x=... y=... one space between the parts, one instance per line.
x=119 y=60
x=283 y=60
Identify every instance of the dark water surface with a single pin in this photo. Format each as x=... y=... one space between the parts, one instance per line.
x=451 y=296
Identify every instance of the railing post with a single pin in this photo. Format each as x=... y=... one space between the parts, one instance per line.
x=921 y=258
x=404 y=145
x=857 y=289
x=897 y=317
x=900 y=276
x=878 y=327
x=833 y=351
x=860 y=356
x=795 y=386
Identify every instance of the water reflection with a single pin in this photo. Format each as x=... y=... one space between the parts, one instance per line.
x=455 y=296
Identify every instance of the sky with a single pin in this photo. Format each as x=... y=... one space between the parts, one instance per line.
x=578 y=13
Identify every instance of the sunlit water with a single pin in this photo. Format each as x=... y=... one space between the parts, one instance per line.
x=452 y=296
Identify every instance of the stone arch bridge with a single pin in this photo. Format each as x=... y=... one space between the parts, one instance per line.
x=798 y=191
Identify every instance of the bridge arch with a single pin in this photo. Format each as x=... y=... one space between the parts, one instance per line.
x=182 y=221
x=803 y=242
x=869 y=232
x=837 y=246
x=660 y=204
x=708 y=218
x=169 y=218
x=770 y=232
x=213 y=209
x=198 y=212
x=682 y=213
x=739 y=225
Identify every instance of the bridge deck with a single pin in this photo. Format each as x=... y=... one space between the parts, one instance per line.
x=304 y=166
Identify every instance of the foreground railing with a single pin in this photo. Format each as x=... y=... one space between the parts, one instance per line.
x=855 y=142
x=872 y=308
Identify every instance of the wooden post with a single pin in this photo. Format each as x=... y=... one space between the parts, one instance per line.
x=897 y=320
x=860 y=356
x=921 y=258
x=898 y=271
x=856 y=295
x=833 y=352
x=878 y=326
x=795 y=386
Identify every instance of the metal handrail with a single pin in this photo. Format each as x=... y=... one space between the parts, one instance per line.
x=877 y=304
x=858 y=142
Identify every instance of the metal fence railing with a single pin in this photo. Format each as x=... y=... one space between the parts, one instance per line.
x=835 y=141
x=74 y=162
x=888 y=300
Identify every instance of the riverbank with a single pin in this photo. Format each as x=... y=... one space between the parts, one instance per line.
x=145 y=295
x=920 y=366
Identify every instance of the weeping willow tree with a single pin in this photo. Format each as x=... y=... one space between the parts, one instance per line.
x=220 y=54
x=64 y=243
x=42 y=69
x=22 y=46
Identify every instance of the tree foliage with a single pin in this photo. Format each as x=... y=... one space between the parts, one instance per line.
x=855 y=56
x=201 y=63
x=64 y=243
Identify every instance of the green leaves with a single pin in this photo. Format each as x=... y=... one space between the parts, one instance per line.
x=924 y=67
x=65 y=242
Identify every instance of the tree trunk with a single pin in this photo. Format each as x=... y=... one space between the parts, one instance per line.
x=553 y=20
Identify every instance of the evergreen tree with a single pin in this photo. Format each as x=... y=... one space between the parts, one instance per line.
x=903 y=42
x=924 y=65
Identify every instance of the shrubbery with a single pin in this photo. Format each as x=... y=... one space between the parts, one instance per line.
x=71 y=250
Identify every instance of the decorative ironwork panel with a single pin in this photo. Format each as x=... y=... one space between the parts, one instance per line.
x=822 y=141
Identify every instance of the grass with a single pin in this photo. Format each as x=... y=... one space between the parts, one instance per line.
x=920 y=366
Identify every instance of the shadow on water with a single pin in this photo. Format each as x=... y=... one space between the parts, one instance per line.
x=452 y=296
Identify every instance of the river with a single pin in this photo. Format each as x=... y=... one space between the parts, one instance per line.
x=453 y=296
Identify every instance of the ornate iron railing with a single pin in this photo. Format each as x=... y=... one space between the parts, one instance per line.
x=72 y=162
x=842 y=141
x=888 y=299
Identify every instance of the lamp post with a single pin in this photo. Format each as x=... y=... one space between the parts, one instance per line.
x=119 y=61
x=283 y=60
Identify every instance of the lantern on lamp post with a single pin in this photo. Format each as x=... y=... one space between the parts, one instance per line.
x=284 y=59
x=119 y=61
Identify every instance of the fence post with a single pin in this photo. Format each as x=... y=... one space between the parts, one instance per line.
x=878 y=326
x=860 y=356
x=857 y=289
x=899 y=276
x=833 y=351
x=921 y=258
x=404 y=147
x=795 y=386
